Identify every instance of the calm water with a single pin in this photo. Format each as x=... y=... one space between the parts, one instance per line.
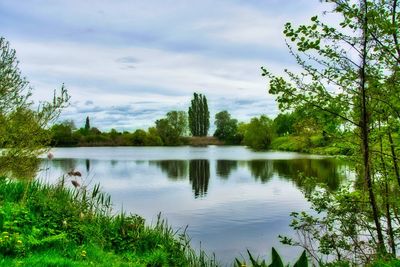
x=231 y=198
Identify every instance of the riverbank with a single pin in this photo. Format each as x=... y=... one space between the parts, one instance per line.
x=310 y=145
x=59 y=225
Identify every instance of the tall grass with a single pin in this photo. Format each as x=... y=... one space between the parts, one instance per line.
x=57 y=225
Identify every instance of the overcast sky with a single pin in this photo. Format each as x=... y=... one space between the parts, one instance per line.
x=128 y=62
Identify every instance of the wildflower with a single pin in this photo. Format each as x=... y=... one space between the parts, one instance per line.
x=83 y=253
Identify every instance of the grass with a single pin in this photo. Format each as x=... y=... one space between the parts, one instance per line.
x=310 y=144
x=52 y=225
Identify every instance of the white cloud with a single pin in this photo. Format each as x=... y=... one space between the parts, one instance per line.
x=151 y=56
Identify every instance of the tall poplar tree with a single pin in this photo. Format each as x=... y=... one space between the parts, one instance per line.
x=199 y=116
x=87 y=124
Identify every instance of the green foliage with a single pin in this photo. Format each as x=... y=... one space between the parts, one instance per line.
x=172 y=128
x=22 y=129
x=226 y=128
x=199 y=116
x=139 y=138
x=276 y=261
x=54 y=225
x=347 y=94
x=284 y=124
x=87 y=124
x=259 y=133
x=62 y=134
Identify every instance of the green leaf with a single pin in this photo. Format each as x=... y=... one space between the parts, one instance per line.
x=239 y=264
x=302 y=261
x=276 y=259
x=253 y=261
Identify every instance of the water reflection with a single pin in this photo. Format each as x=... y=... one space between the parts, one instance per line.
x=322 y=170
x=231 y=199
x=225 y=167
x=87 y=163
x=65 y=165
x=174 y=169
x=199 y=176
x=326 y=171
x=261 y=170
x=20 y=168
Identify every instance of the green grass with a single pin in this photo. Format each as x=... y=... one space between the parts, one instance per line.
x=313 y=144
x=51 y=225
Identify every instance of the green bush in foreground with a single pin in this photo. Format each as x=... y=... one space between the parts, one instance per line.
x=51 y=225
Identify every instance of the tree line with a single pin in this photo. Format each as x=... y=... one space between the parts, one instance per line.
x=302 y=130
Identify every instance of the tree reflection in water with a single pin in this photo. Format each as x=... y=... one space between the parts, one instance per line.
x=20 y=168
x=87 y=163
x=174 y=169
x=321 y=170
x=225 y=167
x=328 y=171
x=199 y=176
x=261 y=170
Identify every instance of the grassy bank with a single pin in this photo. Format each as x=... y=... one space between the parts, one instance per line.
x=51 y=225
x=310 y=144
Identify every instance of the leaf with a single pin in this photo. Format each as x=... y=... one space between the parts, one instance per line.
x=253 y=261
x=276 y=259
x=302 y=261
x=239 y=264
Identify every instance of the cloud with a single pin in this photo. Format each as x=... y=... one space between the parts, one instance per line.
x=127 y=63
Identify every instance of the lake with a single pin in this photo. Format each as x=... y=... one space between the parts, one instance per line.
x=230 y=197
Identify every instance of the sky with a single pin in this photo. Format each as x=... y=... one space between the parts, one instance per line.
x=126 y=63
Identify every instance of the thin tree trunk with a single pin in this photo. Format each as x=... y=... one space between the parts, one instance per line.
x=390 y=232
x=364 y=125
x=394 y=157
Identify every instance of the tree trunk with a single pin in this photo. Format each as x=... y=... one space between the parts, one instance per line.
x=364 y=125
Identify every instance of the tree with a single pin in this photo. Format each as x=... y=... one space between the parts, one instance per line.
x=284 y=123
x=139 y=138
x=87 y=124
x=259 y=133
x=172 y=128
x=178 y=121
x=153 y=138
x=199 y=115
x=23 y=129
x=62 y=134
x=350 y=73
x=226 y=128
